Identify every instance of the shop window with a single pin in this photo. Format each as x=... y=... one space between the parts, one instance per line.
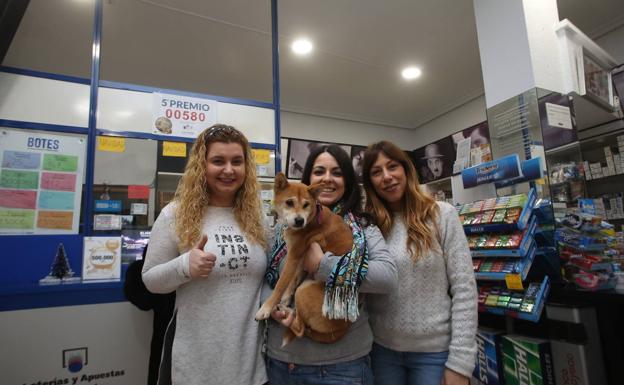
x=124 y=184
x=216 y=48
x=54 y=36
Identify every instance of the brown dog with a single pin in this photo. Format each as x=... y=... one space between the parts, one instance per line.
x=307 y=221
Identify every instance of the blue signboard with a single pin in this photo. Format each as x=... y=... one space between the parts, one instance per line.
x=499 y=169
x=531 y=170
x=107 y=206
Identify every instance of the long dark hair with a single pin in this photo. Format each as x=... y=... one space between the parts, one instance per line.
x=420 y=210
x=352 y=195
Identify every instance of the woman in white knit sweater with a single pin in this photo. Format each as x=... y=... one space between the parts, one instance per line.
x=425 y=331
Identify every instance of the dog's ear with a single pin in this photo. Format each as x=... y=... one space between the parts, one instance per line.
x=281 y=182
x=315 y=189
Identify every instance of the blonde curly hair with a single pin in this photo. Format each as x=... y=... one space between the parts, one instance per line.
x=192 y=196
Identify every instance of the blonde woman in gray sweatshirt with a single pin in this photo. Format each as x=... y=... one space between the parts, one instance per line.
x=208 y=246
x=424 y=332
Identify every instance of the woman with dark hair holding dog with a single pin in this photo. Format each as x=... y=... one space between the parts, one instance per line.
x=425 y=331
x=368 y=268
x=208 y=246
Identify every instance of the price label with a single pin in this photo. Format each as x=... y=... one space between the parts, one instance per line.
x=111 y=144
x=261 y=156
x=174 y=149
x=514 y=281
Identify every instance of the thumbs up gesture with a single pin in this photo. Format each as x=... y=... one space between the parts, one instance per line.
x=201 y=263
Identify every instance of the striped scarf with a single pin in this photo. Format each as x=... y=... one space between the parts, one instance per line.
x=342 y=285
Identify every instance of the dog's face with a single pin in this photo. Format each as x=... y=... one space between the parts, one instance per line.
x=295 y=203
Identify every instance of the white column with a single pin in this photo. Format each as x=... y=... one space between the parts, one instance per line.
x=518 y=47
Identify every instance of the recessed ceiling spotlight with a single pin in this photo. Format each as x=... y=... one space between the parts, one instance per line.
x=302 y=46
x=411 y=73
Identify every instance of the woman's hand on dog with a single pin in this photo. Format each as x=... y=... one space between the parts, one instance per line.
x=313 y=257
x=285 y=317
x=201 y=263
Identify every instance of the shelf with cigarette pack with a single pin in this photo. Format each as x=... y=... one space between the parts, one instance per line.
x=607 y=161
x=526 y=304
x=498 y=215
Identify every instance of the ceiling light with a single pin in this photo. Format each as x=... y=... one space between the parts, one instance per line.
x=302 y=46
x=411 y=73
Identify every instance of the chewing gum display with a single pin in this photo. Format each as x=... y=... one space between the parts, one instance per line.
x=486 y=267
x=497 y=266
x=512 y=215
x=495 y=296
x=495 y=209
x=515 y=239
x=502 y=241
x=498 y=241
x=517 y=201
x=501 y=202
x=477 y=219
x=487 y=216
x=499 y=216
x=489 y=204
x=491 y=241
x=491 y=300
x=509 y=267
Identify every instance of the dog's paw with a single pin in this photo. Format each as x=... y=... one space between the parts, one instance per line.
x=284 y=308
x=285 y=300
x=263 y=313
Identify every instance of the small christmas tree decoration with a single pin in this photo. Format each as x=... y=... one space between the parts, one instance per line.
x=60 y=271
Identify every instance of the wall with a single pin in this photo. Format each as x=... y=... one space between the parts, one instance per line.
x=462 y=117
x=113 y=341
x=320 y=128
x=613 y=42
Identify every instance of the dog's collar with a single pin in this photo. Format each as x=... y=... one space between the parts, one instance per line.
x=319 y=213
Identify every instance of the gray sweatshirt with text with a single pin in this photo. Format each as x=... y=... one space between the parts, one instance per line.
x=217 y=341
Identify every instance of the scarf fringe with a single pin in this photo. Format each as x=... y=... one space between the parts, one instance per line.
x=341 y=303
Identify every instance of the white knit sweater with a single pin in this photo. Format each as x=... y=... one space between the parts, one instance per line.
x=435 y=306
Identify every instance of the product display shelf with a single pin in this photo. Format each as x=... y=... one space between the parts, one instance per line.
x=521 y=267
x=536 y=310
x=519 y=252
x=578 y=240
x=522 y=222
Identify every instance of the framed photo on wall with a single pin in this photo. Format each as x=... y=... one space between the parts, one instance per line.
x=480 y=148
x=298 y=151
x=618 y=84
x=597 y=81
x=357 y=159
x=435 y=160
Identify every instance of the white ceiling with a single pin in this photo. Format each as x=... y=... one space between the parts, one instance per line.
x=223 y=47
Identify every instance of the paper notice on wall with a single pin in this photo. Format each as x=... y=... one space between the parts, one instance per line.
x=558 y=116
x=138 y=191
x=40 y=182
x=101 y=258
x=176 y=115
x=138 y=209
x=176 y=149
x=261 y=156
x=107 y=222
x=462 y=159
x=111 y=144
